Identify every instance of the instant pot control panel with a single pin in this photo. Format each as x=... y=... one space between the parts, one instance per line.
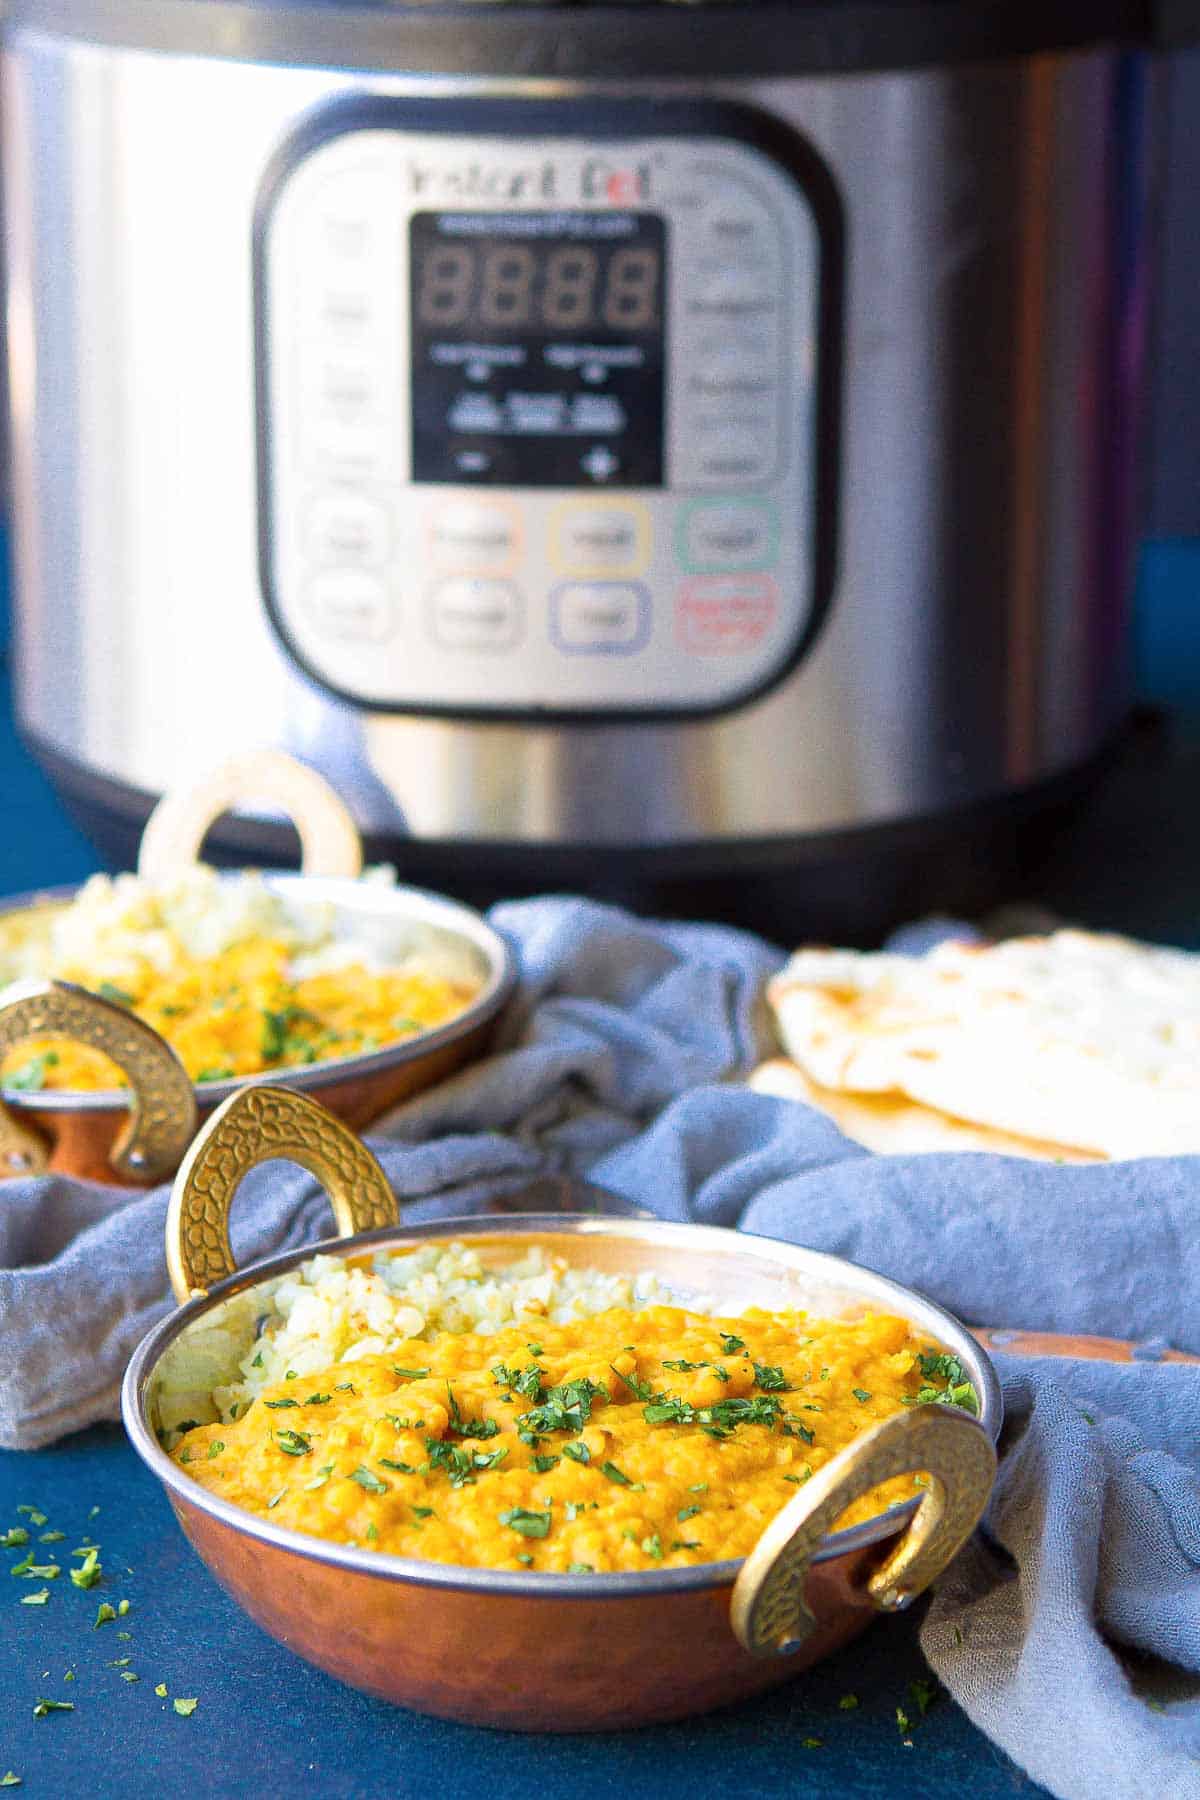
x=546 y=404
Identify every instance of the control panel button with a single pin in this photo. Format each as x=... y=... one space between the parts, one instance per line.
x=474 y=614
x=348 y=530
x=481 y=536
x=723 y=615
x=598 y=617
x=732 y=453
x=352 y=604
x=599 y=539
x=738 y=534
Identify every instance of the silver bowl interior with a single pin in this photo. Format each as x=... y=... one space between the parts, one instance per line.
x=392 y=922
x=733 y=1270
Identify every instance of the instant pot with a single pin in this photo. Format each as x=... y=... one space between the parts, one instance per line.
x=689 y=452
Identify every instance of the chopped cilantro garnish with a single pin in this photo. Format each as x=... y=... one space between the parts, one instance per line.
x=89 y=1571
x=540 y=1464
x=682 y=1365
x=862 y=1395
x=730 y=1344
x=371 y=1482
x=372 y=1533
x=108 y=990
x=534 y=1349
x=423 y=1512
x=318 y=1400
x=794 y=1427
x=958 y=1390
x=277 y=1404
x=527 y=1382
x=403 y=1468
x=528 y=1524
x=30 y=1077
x=687 y=1512
x=567 y=1407
x=685 y=1544
x=215 y=1448
x=771 y=1379
x=614 y=1474
x=924 y=1693
x=293 y=1443
x=580 y=1569
x=652 y=1547
x=409 y=1374
x=641 y=1390
x=456 y=1463
x=578 y=1451
x=525 y=1558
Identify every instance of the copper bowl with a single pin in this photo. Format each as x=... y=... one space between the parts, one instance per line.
x=610 y=1650
x=91 y=1134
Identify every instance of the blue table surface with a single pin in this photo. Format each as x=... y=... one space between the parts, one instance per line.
x=267 y=1724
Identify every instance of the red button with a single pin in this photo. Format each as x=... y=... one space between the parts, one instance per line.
x=720 y=615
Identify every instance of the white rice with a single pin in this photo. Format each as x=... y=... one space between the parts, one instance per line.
x=117 y=923
x=329 y=1311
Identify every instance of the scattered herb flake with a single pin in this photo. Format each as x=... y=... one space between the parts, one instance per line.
x=370 y=1481
x=848 y=1703
x=580 y=1569
x=129 y=1675
x=687 y=1512
x=33 y=1515
x=275 y=1406
x=409 y=1374
x=14 y=1537
x=104 y=1614
x=730 y=1344
x=528 y=1524
x=771 y=1379
x=292 y=1443
x=185 y=1708
x=578 y=1451
x=161 y=1690
x=42 y=1707
x=614 y=1474
x=123 y=1607
x=89 y=1571
x=10 y=1779
x=38 y=1599
x=862 y=1395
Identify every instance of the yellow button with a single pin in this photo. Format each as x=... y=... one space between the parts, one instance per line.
x=597 y=538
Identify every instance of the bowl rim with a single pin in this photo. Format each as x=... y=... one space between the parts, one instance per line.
x=823 y=1266
x=422 y=905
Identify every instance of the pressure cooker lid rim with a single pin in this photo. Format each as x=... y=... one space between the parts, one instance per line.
x=607 y=39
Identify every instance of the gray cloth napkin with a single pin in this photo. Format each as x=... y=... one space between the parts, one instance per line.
x=1085 y=1583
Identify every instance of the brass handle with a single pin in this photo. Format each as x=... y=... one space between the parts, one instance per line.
x=162 y=1100
x=256 y=1125
x=769 y=1614
x=176 y=829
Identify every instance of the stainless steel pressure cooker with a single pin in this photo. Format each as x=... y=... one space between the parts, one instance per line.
x=617 y=444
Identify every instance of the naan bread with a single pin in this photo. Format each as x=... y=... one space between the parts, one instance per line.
x=1086 y=1042
x=895 y=1126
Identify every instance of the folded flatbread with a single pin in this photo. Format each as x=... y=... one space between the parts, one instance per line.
x=895 y=1126
x=1075 y=1042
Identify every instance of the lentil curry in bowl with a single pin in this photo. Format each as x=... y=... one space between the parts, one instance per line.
x=639 y=1446
x=594 y=1424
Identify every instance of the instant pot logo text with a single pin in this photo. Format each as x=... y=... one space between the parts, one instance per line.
x=602 y=181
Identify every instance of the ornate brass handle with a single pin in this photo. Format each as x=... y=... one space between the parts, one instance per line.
x=256 y=1125
x=176 y=829
x=768 y=1611
x=162 y=1102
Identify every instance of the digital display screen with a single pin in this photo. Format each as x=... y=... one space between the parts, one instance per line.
x=537 y=344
